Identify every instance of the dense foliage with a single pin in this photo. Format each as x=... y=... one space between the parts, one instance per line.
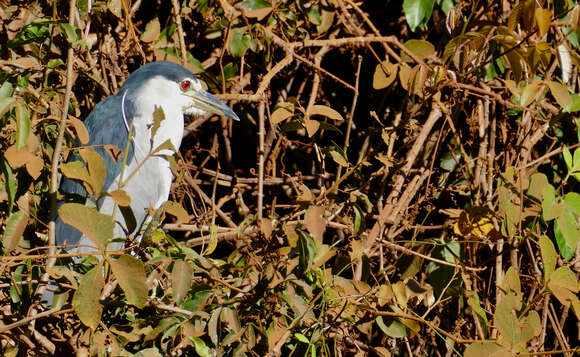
x=405 y=179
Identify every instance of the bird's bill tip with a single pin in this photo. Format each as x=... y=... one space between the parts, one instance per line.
x=209 y=103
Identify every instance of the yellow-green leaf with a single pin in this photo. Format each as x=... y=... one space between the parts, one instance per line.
x=548 y=256
x=86 y=299
x=130 y=272
x=543 y=18
x=181 y=278
x=15 y=226
x=121 y=198
x=530 y=92
x=95 y=225
x=23 y=124
x=420 y=48
x=96 y=167
x=560 y=93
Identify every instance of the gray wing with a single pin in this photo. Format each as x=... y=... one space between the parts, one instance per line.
x=106 y=126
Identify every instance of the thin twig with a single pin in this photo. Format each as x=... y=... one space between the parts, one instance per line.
x=180 y=34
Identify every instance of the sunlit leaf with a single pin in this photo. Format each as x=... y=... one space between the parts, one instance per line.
x=95 y=225
x=325 y=111
x=15 y=226
x=282 y=113
x=560 y=93
x=23 y=126
x=420 y=48
x=176 y=210
x=417 y=12
x=130 y=272
x=548 y=253
x=181 y=278
x=543 y=19
x=121 y=198
x=86 y=299
x=486 y=349
x=568 y=235
x=385 y=74
x=152 y=31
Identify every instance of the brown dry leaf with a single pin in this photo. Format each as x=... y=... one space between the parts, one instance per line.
x=311 y=126
x=338 y=158
x=17 y=158
x=80 y=129
x=385 y=74
x=152 y=30
x=291 y=235
x=304 y=194
x=266 y=227
x=34 y=166
x=315 y=222
x=325 y=111
x=356 y=250
x=404 y=74
x=176 y=210
x=259 y=14
x=283 y=112
x=121 y=198
x=28 y=63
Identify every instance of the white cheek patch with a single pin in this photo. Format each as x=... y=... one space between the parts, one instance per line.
x=196 y=84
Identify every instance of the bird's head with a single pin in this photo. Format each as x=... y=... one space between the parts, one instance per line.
x=169 y=83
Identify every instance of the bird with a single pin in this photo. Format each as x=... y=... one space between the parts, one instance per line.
x=129 y=116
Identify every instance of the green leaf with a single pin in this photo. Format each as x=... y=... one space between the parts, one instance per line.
x=550 y=207
x=200 y=347
x=548 y=256
x=130 y=273
x=567 y=224
x=538 y=182
x=6 y=98
x=417 y=12
x=572 y=200
x=15 y=226
x=485 y=349
x=9 y=182
x=95 y=225
x=239 y=42
x=560 y=93
x=86 y=299
x=53 y=63
x=567 y=157
x=392 y=327
x=300 y=337
x=255 y=4
x=574 y=106
x=23 y=125
x=474 y=303
x=564 y=284
x=181 y=278
x=71 y=33
x=96 y=168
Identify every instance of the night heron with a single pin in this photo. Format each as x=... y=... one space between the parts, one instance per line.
x=163 y=85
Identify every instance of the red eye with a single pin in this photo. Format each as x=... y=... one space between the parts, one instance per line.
x=185 y=84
